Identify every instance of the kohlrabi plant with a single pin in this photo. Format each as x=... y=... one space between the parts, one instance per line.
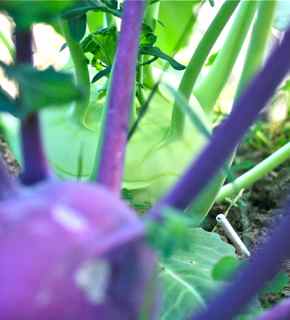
x=163 y=120
x=74 y=249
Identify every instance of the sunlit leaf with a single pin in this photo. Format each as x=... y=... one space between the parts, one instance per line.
x=176 y=19
x=95 y=20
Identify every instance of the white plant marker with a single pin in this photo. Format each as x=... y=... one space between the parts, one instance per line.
x=232 y=235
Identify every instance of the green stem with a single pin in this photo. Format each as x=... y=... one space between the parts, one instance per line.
x=7 y=43
x=148 y=77
x=257 y=45
x=109 y=20
x=140 y=81
x=209 y=89
x=253 y=175
x=253 y=60
x=258 y=42
x=150 y=18
x=151 y=14
x=81 y=71
x=198 y=59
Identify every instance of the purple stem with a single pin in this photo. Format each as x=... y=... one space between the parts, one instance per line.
x=35 y=168
x=228 y=135
x=261 y=268
x=112 y=153
x=280 y=311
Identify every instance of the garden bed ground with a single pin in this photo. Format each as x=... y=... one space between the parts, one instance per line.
x=259 y=206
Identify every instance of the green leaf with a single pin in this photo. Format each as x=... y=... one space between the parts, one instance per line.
x=96 y=20
x=224 y=268
x=102 y=45
x=211 y=59
x=211 y=2
x=103 y=73
x=40 y=89
x=187 y=275
x=27 y=12
x=286 y=86
x=280 y=281
x=77 y=26
x=148 y=38
x=92 y=5
x=176 y=22
x=7 y=104
x=172 y=234
x=156 y=52
x=282 y=19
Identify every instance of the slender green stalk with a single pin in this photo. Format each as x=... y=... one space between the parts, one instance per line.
x=7 y=43
x=81 y=71
x=198 y=59
x=109 y=20
x=253 y=175
x=253 y=61
x=257 y=49
x=228 y=135
x=151 y=14
x=150 y=18
x=258 y=43
x=209 y=89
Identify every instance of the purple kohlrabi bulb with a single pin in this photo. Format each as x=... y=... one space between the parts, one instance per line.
x=71 y=251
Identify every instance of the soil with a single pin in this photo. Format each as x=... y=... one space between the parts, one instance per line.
x=259 y=207
x=10 y=161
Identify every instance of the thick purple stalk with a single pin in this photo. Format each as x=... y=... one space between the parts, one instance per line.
x=261 y=268
x=230 y=132
x=280 y=311
x=112 y=153
x=35 y=168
